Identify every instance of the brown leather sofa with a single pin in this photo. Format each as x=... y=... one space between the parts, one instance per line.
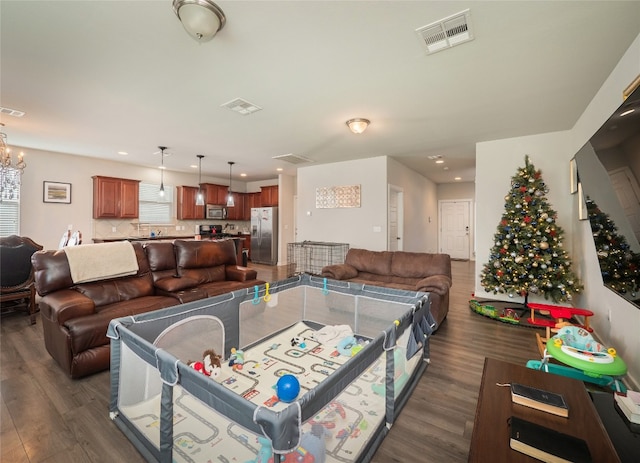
x=75 y=317
x=413 y=271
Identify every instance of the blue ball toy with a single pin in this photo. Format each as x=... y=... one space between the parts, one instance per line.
x=287 y=388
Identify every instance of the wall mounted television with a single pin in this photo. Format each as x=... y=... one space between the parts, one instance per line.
x=609 y=174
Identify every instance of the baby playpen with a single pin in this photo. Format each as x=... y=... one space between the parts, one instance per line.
x=357 y=353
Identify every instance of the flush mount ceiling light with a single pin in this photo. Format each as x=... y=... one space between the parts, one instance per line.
x=358 y=125
x=200 y=196
x=202 y=19
x=230 y=201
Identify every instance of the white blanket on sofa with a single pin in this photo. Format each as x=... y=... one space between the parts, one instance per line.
x=91 y=262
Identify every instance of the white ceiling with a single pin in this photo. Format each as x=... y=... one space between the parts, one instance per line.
x=98 y=77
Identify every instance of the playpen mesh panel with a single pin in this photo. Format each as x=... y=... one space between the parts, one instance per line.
x=200 y=434
x=142 y=388
x=189 y=338
x=260 y=318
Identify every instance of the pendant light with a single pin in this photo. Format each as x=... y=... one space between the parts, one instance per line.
x=230 y=201
x=200 y=196
x=161 y=192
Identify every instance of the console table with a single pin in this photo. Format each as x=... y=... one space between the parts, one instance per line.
x=490 y=437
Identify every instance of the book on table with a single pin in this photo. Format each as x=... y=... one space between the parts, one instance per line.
x=546 y=444
x=628 y=406
x=539 y=399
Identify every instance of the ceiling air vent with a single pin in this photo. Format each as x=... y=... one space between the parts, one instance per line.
x=11 y=112
x=446 y=33
x=292 y=158
x=241 y=106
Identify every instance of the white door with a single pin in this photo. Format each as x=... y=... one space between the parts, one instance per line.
x=454 y=230
x=626 y=188
x=395 y=219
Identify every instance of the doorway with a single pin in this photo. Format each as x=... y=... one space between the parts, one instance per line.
x=455 y=228
x=395 y=218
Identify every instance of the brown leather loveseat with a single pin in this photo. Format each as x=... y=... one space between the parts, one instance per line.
x=75 y=315
x=412 y=271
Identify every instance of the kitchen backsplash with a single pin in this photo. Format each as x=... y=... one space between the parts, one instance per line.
x=105 y=228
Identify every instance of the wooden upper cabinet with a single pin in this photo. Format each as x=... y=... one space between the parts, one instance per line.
x=186 y=204
x=269 y=195
x=237 y=212
x=215 y=194
x=115 y=197
x=250 y=200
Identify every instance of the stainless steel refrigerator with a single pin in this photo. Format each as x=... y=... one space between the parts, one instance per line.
x=264 y=235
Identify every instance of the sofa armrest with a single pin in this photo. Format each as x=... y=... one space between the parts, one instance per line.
x=438 y=284
x=239 y=273
x=339 y=271
x=66 y=304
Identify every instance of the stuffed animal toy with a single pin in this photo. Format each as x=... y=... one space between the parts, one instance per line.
x=210 y=365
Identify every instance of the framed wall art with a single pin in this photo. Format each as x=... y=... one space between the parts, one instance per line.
x=56 y=192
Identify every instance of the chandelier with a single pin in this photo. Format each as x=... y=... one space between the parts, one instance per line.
x=10 y=173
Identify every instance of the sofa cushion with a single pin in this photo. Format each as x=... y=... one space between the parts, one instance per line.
x=117 y=290
x=162 y=259
x=363 y=260
x=203 y=254
x=420 y=265
x=172 y=284
x=52 y=271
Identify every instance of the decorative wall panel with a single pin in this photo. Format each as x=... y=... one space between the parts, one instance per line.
x=338 y=196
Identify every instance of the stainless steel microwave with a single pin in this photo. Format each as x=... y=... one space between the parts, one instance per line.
x=215 y=212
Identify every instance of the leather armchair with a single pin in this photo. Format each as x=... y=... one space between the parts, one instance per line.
x=17 y=276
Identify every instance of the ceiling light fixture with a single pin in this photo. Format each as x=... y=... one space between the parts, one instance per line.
x=200 y=196
x=358 y=125
x=202 y=19
x=10 y=172
x=162 y=148
x=230 y=201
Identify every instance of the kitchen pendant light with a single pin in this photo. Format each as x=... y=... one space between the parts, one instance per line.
x=230 y=201
x=161 y=192
x=200 y=196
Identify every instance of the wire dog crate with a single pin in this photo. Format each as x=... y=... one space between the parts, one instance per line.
x=311 y=256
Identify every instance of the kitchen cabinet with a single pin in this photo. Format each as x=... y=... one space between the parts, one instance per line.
x=251 y=200
x=186 y=204
x=215 y=194
x=237 y=211
x=115 y=198
x=269 y=195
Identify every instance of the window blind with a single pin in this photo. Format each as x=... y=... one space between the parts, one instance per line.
x=154 y=208
x=10 y=203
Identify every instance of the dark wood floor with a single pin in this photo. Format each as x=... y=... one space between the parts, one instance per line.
x=46 y=417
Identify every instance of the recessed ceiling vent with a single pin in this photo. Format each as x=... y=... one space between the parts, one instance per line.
x=446 y=33
x=11 y=112
x=293 y=158
x=242 y=106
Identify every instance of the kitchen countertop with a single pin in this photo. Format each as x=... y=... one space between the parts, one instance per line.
x=161 y=238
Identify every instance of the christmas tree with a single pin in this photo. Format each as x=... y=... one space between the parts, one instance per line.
x=527 y=256
x=618 y=263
